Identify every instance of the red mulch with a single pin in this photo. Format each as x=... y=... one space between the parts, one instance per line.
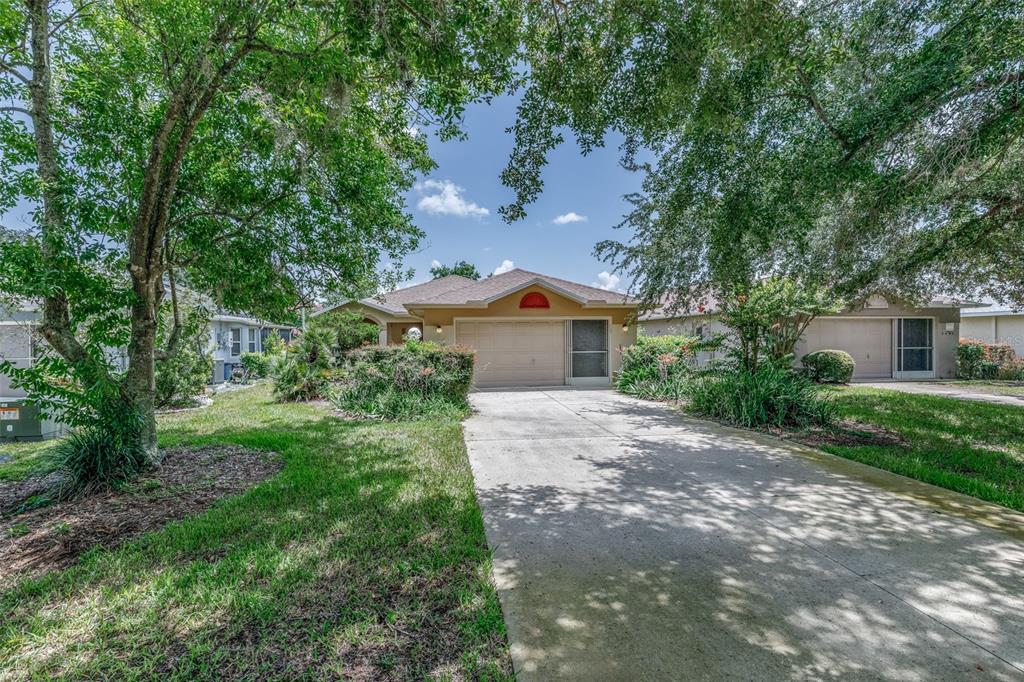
x=188 y=481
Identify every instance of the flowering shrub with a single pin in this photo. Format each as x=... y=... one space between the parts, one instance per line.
x=655 y=367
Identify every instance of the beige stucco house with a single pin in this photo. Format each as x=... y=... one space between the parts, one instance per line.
x=528 y=329
x=994 y=325
x=888 y=340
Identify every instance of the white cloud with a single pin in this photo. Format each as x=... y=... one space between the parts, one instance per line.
x=435 y=263
x=608 y=281
x=444 y=197
x=505 y=266
x=570 y=217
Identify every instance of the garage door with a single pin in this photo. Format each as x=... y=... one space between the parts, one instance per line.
x=515 y=353
x=868 y=341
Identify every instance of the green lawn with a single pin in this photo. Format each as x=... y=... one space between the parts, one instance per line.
x=972 y=447
x=18 y=460
x=364 y=558
x=1014 y=388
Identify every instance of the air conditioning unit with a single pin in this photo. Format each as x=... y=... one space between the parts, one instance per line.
x=21 y=421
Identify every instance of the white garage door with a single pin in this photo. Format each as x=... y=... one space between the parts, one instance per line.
x=515 y=353
x=868 y=341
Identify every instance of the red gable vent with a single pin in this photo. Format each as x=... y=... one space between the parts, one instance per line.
x=534 y=299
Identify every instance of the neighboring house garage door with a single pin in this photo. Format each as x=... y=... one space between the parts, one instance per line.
x=868 y=341
x=515 y=353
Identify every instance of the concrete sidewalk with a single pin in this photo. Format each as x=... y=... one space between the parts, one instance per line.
x=947 y=390
x=631 y=543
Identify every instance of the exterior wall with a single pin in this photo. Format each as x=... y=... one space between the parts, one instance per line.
x=397 y=330
x=220 y=345
x=945 y=342
x=15 y=346
x=996 y=329
x=508 y=307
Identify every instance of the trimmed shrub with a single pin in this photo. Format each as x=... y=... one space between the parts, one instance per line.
x=256 y=365
x=830 y=366
x=771 y=395
x=979 y=360
x=415 y=380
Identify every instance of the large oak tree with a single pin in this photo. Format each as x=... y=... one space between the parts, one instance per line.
x=255 y=149
x=863 y=144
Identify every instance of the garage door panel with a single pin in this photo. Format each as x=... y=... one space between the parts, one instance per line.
x=868 y=341
x=515 y=353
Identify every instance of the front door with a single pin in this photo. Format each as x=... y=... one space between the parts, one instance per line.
x=915 y=346
x=588 y=353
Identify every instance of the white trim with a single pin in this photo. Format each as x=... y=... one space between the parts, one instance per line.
x=896 y=359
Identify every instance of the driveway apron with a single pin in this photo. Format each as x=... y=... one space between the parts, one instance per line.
x=633 y=543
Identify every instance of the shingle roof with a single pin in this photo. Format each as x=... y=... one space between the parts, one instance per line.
x=393 y=301
x=500 y=285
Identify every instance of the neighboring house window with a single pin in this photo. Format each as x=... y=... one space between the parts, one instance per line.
x=236 y=342
x=252 y=340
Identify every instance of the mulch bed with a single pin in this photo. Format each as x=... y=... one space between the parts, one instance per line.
x=188 y=481
x=847 y=433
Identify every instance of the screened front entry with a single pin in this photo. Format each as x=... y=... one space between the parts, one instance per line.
x=588 y=352
x=915 y=348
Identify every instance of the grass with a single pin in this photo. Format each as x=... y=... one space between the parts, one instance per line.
x=19 y=460
x=364 y=558
x=971 y=447
x=1012 y=388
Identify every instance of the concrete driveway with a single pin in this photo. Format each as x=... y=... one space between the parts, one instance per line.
x=631 y=543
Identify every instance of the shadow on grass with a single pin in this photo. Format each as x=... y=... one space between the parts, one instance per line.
x=364 y=558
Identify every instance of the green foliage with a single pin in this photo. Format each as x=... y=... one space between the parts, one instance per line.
x=830 y=366
x=184 y=373
x=853 y=143
x=768 y=318
x=769 y=396
x=656 y=367
x=979 y=360
x=416 y=380
x=273 y=345
x=347 y=329
x=255 y=365
x=306 y=368
x=259 y=151
x=461 y=268
x=106 y=451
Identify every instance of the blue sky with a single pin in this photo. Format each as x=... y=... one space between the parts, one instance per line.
x=457 y=204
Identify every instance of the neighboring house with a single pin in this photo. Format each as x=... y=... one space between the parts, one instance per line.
x=994 y=325
x=528 y=329
x=888 y=340
x=232 y=335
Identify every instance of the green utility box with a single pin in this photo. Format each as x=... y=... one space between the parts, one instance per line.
x=20 y=421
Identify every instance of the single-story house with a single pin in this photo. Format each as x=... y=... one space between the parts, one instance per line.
x=994 y=325
x=887 y=339
x=528 y=329
x=231 y=335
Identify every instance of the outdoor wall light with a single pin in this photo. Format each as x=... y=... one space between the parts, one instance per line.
x=625 y=327
x=950 y=327
x=438 y=329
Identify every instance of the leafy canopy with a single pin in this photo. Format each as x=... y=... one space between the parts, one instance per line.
x=462 y=268
x=871 y=145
